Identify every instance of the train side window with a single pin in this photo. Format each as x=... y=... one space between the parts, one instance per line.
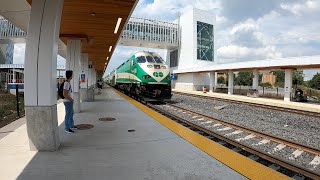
x=141 y=59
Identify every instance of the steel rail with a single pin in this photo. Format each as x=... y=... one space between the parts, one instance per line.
x=277 y=108
x=264 y=155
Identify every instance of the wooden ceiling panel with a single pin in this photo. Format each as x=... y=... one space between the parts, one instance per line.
x=94 y=22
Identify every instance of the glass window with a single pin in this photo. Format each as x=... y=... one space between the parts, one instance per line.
x=150 y=59
x=158 y=60
x=174 y=58
x=205 y=37
x=141 y=59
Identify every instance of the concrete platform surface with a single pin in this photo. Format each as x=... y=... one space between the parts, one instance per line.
x=109 y=151
x=265 y=101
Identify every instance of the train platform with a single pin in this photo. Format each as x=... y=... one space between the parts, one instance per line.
x=258 y=100
x=138 y=144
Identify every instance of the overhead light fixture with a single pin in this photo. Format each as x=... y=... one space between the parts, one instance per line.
x=117 y=25
x=105 y=64
x=107 y=58
x=93 y=14
x=110 y=48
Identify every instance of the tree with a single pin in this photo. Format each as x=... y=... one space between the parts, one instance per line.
x=315 y=81
x=266 y=84
x=260 y=78
x=244 y=78
x=298 y=77
x=221 y=80
x=279 y=77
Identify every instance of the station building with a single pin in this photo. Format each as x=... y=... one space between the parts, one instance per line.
x=197 y=49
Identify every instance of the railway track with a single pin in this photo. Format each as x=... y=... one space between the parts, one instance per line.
x=238 y=137
x=282 y=109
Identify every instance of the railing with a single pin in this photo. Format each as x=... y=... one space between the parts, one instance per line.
x=141 y=29
x=7 y=29
x=137 y=29
x=11 y=66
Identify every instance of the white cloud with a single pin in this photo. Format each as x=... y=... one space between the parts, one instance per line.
x=248 y=25
x=300 y=8
x=231 y=53
x=18 y=55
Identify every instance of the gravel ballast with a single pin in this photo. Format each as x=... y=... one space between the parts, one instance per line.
x=298 y=128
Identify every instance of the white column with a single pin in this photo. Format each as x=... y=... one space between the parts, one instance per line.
x=212 y=81
x=13 y=75
x=230 y=83
x=73 y=62
x=255 y=80
x=288 y=84
x=94 y=82
x=40 y=75
x=215 y=82
x=90 y=75
x=84 y=70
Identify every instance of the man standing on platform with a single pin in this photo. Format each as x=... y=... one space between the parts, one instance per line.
x=68 y=103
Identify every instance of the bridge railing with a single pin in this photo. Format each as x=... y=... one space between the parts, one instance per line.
x=142 y=29
x=7 y=29
x=137 y=29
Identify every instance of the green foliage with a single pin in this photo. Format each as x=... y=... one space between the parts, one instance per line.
x=297 y=77
x=266 y=84
x=315 y=81
x=221 y=80
x=279 y=77
x=260 y=78
x=244 y=78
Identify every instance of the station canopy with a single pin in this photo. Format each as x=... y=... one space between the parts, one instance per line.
x=94 y=22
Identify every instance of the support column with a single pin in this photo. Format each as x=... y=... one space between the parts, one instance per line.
x=94 y=77
x=40 y=75
x=14 y=76
x=90 y=75
x=84 y=80
x=73 y=63
x=288 y=85
x=230 y=83
x=255 y=80
x=215 y=82
x=212 y=81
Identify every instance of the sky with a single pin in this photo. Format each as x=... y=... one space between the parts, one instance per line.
x=246 y=29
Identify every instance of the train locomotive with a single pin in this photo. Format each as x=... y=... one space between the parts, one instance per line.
x=144 y=75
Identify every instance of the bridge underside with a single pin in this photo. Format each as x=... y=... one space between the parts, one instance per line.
x=156 y=45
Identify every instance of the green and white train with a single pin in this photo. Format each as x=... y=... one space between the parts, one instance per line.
x=144 y=75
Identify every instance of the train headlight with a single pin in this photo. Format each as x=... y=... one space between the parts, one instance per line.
x=163 y=67
x=149 y=66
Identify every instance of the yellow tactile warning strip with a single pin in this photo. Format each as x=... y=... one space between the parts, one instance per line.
x=293 y=105
x=235 y=161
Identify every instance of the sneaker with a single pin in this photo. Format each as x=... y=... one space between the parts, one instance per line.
x=69 y=131
x=74 y=127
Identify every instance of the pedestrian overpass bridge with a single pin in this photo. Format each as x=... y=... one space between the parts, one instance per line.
x=137 y=32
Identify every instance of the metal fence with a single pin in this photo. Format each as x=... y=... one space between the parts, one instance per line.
x=151 y=30
x=7 y=29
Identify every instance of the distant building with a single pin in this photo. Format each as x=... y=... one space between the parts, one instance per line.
x=6 y=53
x=269 y=77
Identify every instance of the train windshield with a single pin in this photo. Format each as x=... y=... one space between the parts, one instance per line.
x=158 y=60
x=141 y=59
x=150 y=59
